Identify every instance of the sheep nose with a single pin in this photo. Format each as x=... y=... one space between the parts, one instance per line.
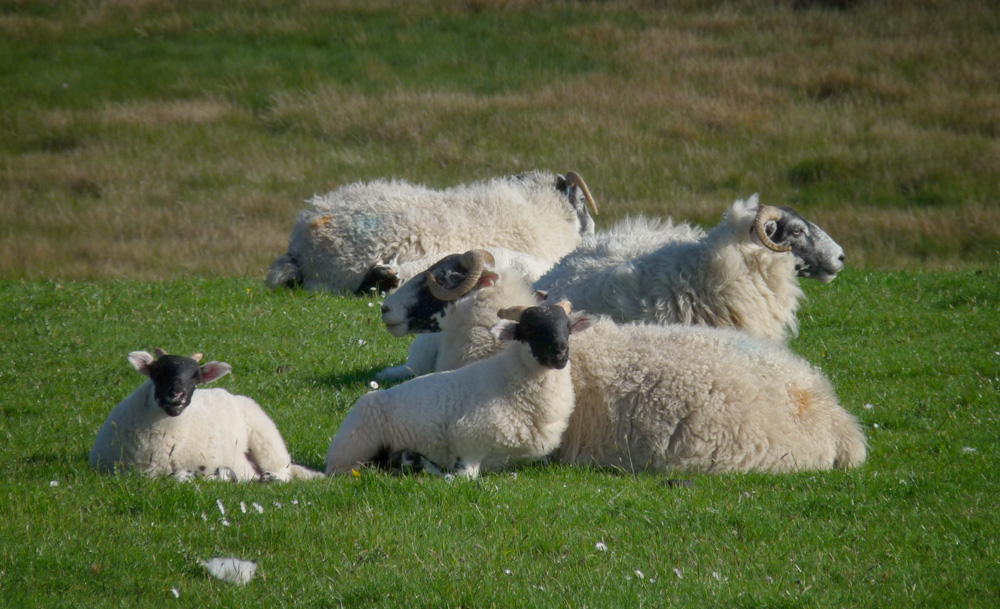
x=385 y=309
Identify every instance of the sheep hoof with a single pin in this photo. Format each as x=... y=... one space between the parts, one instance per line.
x=380 y=278
x=269 y=477
x=406 y=462
x=224 y=474
x=183 y=475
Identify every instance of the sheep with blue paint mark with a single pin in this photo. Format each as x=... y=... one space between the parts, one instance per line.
x=365 y=235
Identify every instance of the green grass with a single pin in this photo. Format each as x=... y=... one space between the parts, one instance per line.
x=912 y=527
x=174 y=142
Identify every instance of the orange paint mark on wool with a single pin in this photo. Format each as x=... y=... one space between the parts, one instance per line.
x=321 y=222
x=802 y=398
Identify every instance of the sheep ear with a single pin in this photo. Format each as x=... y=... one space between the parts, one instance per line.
x=141 y=361
x=488 y=279
x=580 y=322
x=504 y=330
x=540 y=296
x=213 y=371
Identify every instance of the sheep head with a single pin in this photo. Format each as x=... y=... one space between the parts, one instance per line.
x=176 y=377
x=782 y=229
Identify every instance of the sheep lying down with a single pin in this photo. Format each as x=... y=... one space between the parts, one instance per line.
x=509 y=408
x=651 y=397
x=171 y=427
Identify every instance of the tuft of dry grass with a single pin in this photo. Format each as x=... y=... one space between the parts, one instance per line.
x=879 y=121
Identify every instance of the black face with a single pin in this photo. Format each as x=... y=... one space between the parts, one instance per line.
x=817 y=255
x=546 y=329
x=174 y=381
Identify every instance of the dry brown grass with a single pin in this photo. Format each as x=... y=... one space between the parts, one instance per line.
x=883 y=130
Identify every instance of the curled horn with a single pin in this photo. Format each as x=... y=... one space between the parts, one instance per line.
x=197 y=357
x=574 y=179
x=764 y=215
x=473 y=261
x=511 y=313
x=565 y=305
x=159 y=352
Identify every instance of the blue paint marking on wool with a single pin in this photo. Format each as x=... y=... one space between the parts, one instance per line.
x=365 y=225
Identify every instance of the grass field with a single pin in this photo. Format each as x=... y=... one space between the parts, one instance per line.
x=153 y=155
x=914 y=356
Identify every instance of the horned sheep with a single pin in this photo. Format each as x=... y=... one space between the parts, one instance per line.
x=509 y=408
x=170 y=426
x=362 y=235
x=652 y=397
x=742 y=274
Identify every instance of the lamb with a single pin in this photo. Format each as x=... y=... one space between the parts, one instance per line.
x=170 y=427
x=742 y=274
x=649 y=397
x=506 y=409
x=360 y=236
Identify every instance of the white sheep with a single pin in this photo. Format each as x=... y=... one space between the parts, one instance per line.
x=502 y=410
x=659 y=397
x=170 y=427
x=742 y=274
x=361 y=236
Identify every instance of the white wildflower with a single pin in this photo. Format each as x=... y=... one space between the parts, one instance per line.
x=869 y=406
x=204 y=516
x=373 y=385
x=361 y=342
x=222 y=508
x=175 y=592
x=258 y=507
x=278 y=505
x=875 y=425
x=54 y=483
x=508 y=572
x=600 y=545
x=968 y=450
x=243 y=506
x=640 y=574
x=678 y=573
x=225 y=522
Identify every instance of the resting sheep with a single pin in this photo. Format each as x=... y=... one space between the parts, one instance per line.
x=170 y=427
x=742 y=274
x=360 y=236
x=652 y=397
x=505 y=409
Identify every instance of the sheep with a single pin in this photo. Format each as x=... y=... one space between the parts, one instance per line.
x=650 y=397
x=360 y=236
x=171 y=427
x=506 y=409
x=436 y=349
x=742 y=274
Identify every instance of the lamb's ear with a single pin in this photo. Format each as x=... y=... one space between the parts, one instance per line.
x=213 y=371
x=540 y=296
x=580 y=322
x=504 y=330
x=487 y=279
x=141 y=361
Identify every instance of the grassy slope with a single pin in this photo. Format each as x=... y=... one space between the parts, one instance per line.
x=132 y=128
x=912 y=527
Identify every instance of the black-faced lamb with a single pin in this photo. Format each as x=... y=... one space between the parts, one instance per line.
x=170 y=426
x=742 y=274
x=652 y=397
x=506 y=409
x=362 y=236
